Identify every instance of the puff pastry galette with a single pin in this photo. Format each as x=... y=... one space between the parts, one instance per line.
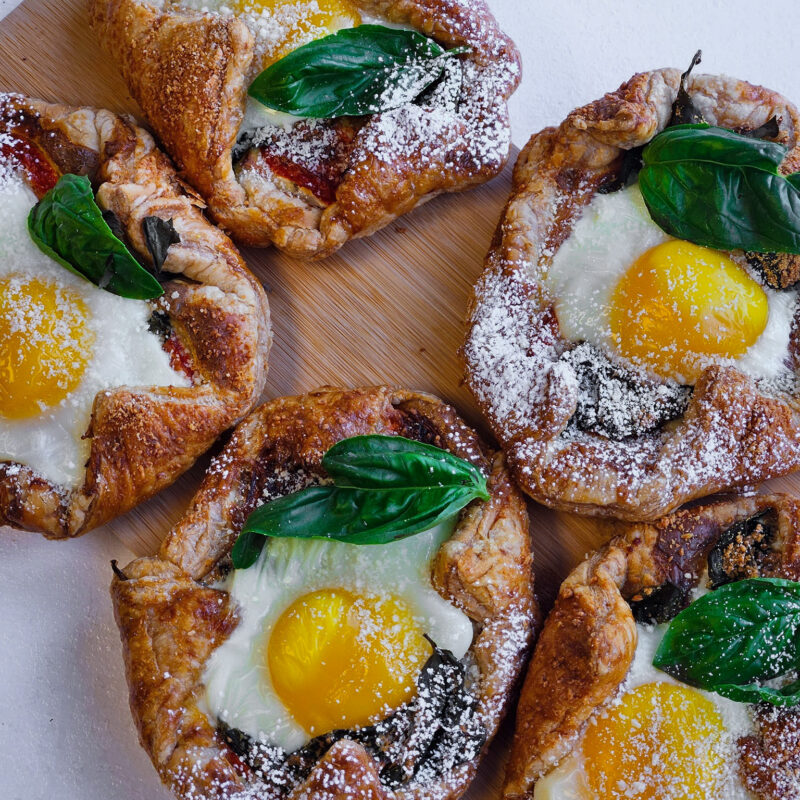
x=131 y=332
x=667 y=667
x=320 y=667
x=394 y=103
x=632 y=340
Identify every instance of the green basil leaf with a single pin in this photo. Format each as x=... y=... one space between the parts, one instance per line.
x=382 y=462
x=385 y=488
x=787 y=697
x=68 y=225
x=355 y=71
x=159 y=234
x=358 y=516
x=721 y=189
x=741 y=633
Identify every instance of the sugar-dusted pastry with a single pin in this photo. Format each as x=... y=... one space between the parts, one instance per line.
x=131 y=332
x=632 y=340
x=342 y=612
x=667 y=667
x=306 y=123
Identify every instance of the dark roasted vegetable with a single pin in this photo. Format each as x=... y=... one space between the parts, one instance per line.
x=433 y=733
x=684 y=111
x=159 y=234
x=737 y=552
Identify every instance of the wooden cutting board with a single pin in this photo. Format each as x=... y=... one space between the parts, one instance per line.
x=388 y=309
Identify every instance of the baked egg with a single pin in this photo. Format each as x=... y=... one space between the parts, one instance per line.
x=62 y=340
x=661 y=304
x=330 y=636
x=659 y=739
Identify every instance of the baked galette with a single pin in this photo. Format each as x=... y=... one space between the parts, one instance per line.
x=632 y=340
x=367 y=648
x=667 y=668
x=305 y=123
x=131 y=332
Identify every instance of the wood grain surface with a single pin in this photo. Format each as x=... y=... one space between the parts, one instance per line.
x=385 y=309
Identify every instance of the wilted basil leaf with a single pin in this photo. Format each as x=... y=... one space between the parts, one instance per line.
x=385 y=488
x=68 y=225
x=721 y=189
x=730 y=640
x=159 y=234
x=355 y=71
x=683 y=109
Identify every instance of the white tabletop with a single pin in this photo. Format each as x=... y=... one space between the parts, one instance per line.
x=65 y=729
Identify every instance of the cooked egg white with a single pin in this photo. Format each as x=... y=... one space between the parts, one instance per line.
x=667 y=306
x=62 y=340
x=330 y=635
x=657 y=739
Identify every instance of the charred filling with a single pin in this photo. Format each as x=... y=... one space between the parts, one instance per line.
x=426 y=738
x=660 y=604
x=617 y=402
x=742 y=551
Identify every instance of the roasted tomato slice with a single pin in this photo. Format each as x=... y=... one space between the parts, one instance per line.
x=40 y=171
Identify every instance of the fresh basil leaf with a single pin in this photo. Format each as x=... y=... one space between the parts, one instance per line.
x=703 y=143
x=383 y=462
x=385 y=488
x=68 y=225
x=722 y=190
x=352 y=72
x=741 y=633
x=358 y=516
x=787 y=696
x=159 y=234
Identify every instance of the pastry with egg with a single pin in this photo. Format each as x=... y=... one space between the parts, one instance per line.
x=343 y=610
x=306 y=123
x=667 y=669
x=632 y=340
x=131 y=332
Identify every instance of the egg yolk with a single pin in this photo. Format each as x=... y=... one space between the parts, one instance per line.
x=661 y=742
x=679 y=306
x=299 y=22
x=44 y=345
x=341 y=660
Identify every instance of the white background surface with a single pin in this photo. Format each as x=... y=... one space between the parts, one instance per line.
x=65 y=729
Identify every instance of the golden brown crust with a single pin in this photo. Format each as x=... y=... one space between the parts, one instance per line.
x=142 y=440
x=190 y=71
x=589 y=638
x=485 y=568
x=730 y=435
